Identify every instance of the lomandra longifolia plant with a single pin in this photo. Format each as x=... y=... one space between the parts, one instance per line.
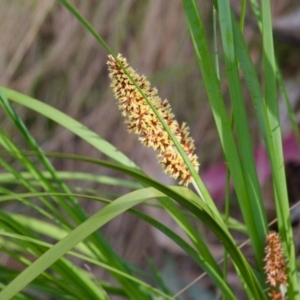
x=49 y=270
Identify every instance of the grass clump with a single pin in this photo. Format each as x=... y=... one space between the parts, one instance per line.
x=48 y=268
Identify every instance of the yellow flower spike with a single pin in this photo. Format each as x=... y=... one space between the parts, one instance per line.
x=275 y=267
x=141 y=120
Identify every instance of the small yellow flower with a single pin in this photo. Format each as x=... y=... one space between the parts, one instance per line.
x=275 y=267
x=141 y=120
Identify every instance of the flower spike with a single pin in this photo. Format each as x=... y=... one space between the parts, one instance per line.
x=275 y=267
x=141 y=120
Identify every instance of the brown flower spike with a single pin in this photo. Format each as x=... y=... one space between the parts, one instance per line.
x=275 y=267
x=141 y=120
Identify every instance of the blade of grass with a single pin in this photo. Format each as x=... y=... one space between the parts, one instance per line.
x=253 y=204
x=74 y=176
x=219 y=112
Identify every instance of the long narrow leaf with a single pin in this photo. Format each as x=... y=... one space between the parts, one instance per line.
x=219 y=111
x=275 y=154
x=253 y=204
